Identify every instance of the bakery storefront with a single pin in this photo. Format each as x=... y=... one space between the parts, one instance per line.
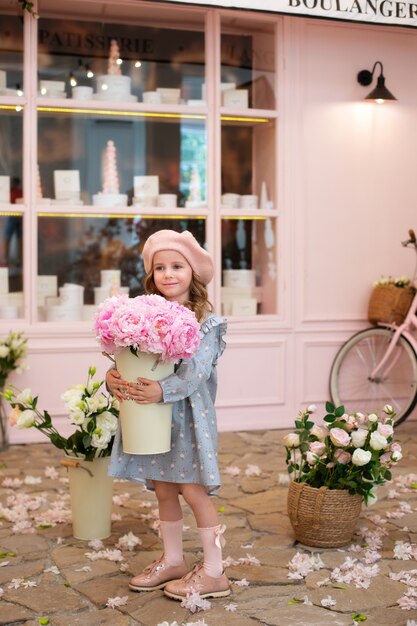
x=246 y=127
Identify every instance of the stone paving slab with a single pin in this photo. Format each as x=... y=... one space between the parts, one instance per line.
x=254 y=510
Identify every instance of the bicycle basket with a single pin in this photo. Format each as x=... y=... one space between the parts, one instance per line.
x=389 y=304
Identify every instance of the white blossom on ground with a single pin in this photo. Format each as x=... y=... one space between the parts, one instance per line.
x=284 y=479
x=32 y=480
x=200 y=622
x=1 y=592
x=253 y=470
x=15 y=583
x=327 y=602
x=85 y=568
x=116 y=517
x=411 y=622
x=232 y=470
x=96 y=544
x=231 y=607
x=51 y=472
x=108 y=554
x=53 y=570
x=247 y=546
x=113 y=603
x=194 y=602
x=302 y=564
x=229 y=561
x=408 y=601
x=29 y=583
x=404 y=550
x=128 y=542
x=241 y=583
x=121 y=499
x=249 y=559
x=124 y=567
x=4 y=563
x=167 y=624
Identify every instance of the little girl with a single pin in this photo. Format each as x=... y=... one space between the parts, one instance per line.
x=179 y=269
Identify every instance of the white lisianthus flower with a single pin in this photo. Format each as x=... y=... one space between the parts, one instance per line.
x=72 y=396
x=388 y=409
x=311 y=408
x=361 y=457
x=115 y=404
x=292 y=440
x=77 y=417
x=396 y=456
x=101 y=401
x=372 y=417
x=24 y=397
x=92 y=404
x=377 y=441
x=26 y=419
x=107 y=421
x=359 y=437
x=4 y=351
x=100 y=438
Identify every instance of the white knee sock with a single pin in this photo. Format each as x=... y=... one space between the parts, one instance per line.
x=213 y=541
x=171 y=533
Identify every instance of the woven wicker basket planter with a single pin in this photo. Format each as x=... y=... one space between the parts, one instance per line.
x=389 y=304
x=323 y=517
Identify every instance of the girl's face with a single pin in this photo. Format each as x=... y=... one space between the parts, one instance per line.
x=172 y=275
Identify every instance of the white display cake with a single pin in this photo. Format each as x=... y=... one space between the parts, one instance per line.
x=110 y=87
x=113 y=85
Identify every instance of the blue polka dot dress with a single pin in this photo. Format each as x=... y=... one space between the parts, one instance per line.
x=192 y=389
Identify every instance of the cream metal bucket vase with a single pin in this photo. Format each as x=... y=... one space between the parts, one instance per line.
x=91 y=491
x=146 y=428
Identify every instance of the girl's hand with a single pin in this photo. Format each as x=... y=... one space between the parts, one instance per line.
x=145 y=391
x=116 y=385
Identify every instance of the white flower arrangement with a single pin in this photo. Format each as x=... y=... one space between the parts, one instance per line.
x=401 y=281
x=94 y=413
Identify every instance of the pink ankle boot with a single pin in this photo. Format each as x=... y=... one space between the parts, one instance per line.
x=157 y=575
x=198 y=581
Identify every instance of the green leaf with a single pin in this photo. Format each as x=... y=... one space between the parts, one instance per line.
x=67 y=585
x=44 y=526
x=329 y=418
x=5 y=555
x=339 y=411
x=221 y=509
x=309 y=425
x=339 y=586
x=413 y=486
x=43 y=620
x=298 y=424
x=358 y=617
x=295 y=601
x=290 y=469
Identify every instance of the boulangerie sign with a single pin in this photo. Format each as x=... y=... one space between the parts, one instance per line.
x=390 y=12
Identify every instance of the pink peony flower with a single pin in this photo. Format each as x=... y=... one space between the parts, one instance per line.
x=318 y=448
x=339 y=437
x=148 y=324
x=342 y=456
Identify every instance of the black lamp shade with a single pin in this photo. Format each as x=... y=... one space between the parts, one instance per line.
x=380 y=92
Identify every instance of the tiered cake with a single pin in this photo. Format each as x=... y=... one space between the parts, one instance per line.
x=110 y=195
x=113 y=85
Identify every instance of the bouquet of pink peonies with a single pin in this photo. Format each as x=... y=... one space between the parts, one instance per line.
x=352 y=452
x=147 y=324
x=147 y=335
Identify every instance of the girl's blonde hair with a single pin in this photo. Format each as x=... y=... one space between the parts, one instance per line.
x=198 y=301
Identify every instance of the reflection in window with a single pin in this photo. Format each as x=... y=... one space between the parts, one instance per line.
x=11 y=267
x=79 y=248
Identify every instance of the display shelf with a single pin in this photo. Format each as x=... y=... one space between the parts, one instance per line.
x=199 y=151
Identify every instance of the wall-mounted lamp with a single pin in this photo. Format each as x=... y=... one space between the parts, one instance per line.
x=380 y=94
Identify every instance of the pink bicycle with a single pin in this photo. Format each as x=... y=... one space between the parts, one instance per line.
x=378 y=365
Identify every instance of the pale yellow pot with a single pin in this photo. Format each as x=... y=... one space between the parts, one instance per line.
x=146 y=428
x=91 y=491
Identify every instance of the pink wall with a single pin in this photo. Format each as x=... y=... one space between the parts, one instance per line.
x=347 y=196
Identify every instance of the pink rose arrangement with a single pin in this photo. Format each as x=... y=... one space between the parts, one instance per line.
x=353 y=452
x=147 y=324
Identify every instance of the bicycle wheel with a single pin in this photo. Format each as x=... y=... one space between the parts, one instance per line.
x=352 y=386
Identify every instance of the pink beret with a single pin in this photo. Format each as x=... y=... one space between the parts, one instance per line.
x=184 y=243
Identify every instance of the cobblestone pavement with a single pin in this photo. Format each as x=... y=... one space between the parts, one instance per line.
x=73 y=590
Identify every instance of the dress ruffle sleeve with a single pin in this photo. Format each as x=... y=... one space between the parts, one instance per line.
x=192 y=372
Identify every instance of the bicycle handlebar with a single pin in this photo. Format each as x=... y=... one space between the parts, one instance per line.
x=412 y=239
